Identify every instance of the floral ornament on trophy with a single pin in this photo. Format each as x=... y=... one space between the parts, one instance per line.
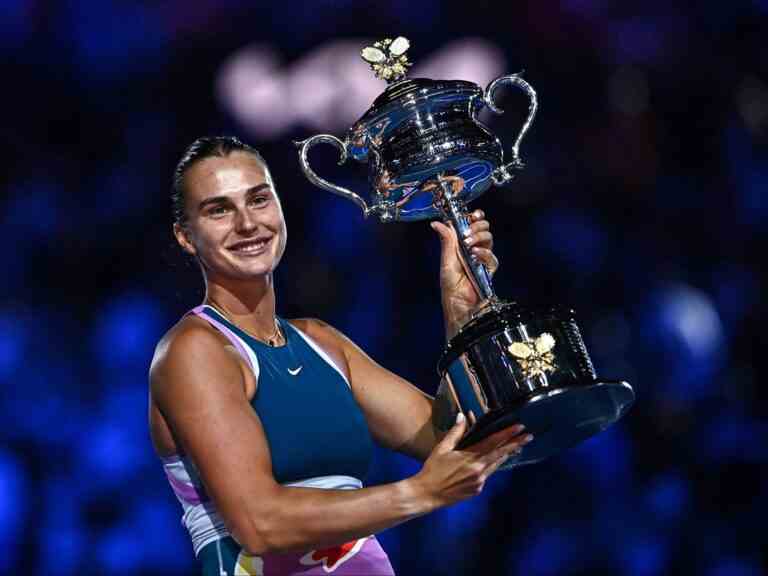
x=387 y=58
x=535 y=357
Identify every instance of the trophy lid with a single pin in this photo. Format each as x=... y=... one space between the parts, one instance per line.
x=389 y=61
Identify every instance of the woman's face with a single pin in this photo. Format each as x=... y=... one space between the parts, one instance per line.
x=235 y=223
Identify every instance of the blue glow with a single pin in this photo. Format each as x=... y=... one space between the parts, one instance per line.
x=13 y=504
x=644 y=558
x=106 y=47
x=157 y=520
x=638 y=39
x=734 y=437
x=736 y=567
x=127 y=330
x=606 y=458
x=13 y=336
x=548 y=552
x=668 y=498
x=33 y=210
x=574 y=239
x=14 y=25
x=109 y=453
x=120 y=551
x=683 y=341
x=341 y=229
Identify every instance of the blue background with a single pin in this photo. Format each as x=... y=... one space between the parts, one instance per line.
x=644 y=205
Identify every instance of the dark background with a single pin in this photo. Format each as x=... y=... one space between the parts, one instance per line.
x=643 y=206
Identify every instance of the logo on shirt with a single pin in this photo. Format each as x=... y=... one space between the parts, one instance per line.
x=332 y=558
x=295 y=371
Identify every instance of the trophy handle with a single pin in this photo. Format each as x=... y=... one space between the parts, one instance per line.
x=304 y=147
x=502 y=174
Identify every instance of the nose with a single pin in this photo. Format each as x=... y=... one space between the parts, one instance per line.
x=245 y=222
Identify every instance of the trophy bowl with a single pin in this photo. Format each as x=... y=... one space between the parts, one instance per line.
x=428 y=156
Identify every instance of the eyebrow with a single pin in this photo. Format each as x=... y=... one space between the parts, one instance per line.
x=225 y=199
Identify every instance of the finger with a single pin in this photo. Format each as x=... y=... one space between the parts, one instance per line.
x=507 y=449
x=445 y=233
x=486 y=257
x=497 y=439
x=448 y=443
x=479 y=226
x=483 y=238
x=477 y=215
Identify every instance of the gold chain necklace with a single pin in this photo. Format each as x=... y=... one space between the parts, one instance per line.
x=270 y=341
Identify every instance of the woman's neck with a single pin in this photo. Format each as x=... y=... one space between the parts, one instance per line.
x=250 y=305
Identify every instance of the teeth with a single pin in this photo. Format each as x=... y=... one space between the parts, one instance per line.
x=251 y=246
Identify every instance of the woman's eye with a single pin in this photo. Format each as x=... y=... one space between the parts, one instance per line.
x=218 y=211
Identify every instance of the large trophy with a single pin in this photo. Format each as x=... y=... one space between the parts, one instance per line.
x=428 y=156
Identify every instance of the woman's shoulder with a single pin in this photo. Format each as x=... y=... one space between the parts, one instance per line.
x=188 y=341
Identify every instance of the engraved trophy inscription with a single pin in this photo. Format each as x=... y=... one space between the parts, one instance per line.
x=428 y=157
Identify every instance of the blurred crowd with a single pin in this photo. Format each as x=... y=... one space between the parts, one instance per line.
x=644 y=206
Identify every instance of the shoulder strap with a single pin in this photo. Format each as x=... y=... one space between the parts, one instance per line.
x=245 y=351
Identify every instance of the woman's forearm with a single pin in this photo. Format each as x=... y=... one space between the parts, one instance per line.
x=308 y=518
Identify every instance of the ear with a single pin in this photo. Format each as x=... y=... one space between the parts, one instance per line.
x=182 y=237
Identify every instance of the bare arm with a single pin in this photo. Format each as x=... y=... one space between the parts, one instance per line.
x=398 y=414
x=198 y=385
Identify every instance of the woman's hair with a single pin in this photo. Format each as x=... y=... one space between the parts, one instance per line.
x=202 y=148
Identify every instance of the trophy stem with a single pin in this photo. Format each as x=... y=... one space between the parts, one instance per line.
x=455 y=215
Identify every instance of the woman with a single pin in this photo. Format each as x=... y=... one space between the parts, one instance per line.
x=265 y=426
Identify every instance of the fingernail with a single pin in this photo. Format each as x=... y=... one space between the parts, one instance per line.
x=468 y=240
x=528 y=438
x=519 y=427
x=460 y=418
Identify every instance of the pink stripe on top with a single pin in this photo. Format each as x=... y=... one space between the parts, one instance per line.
x=231 y=336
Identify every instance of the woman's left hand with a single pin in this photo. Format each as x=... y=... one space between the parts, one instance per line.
x=458 y=293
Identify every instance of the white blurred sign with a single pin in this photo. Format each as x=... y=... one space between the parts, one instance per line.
x=331 y=87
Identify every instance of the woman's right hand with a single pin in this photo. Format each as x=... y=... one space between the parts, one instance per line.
x=450 y=475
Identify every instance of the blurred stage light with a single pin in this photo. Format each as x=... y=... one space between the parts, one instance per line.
x=747 y=168
x=733 y=437
x=115 y=39
x=331 y=87
x=15 y=23
x=606 y=459
x=752 y=100
x=13 y=505
x=547 y=552
x=628 y=91
x=644 y=557
x=13 y=336
x=667 y=498
x=682 y=342
x=574 y=239
x=64 y=536
x=736 y=567
x=120 y=550
x=33 y=210
x=127 y=330
x=638 y=39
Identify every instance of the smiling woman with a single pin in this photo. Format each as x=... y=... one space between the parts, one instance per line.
x=265 y=426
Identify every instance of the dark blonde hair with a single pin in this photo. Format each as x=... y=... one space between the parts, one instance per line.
x=200 y=149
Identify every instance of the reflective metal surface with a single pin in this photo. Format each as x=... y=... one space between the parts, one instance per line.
x=515 y=364
x=419 y=130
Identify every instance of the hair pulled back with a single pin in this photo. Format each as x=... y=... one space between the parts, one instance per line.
x=200 y=149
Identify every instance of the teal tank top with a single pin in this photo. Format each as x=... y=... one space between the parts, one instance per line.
x=312 y=422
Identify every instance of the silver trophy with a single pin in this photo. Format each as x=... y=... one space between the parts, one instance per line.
x=428 y=157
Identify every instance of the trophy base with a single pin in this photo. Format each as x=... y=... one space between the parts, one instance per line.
x=558 y=419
